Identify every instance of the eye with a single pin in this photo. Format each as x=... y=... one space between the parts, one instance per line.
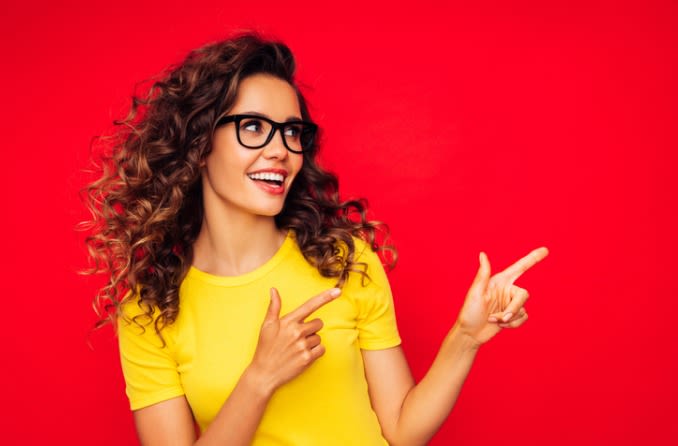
x=293 y=130
x=252 y=125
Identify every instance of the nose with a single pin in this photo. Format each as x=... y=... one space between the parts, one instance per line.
x=276 y=147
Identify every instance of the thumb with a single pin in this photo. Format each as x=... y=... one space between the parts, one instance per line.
x=273 y=313
x=482 y=276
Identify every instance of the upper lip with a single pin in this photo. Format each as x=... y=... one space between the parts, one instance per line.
x=282 y=172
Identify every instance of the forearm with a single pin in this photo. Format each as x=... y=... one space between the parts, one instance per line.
x=239 y=417
x=428 y=404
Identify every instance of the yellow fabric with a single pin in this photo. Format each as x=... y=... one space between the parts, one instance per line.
x=215 y=336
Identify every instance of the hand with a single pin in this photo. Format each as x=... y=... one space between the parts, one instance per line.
x=288 y=345
x=493 y=303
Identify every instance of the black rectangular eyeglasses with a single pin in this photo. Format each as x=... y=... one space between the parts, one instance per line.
x=254 y=132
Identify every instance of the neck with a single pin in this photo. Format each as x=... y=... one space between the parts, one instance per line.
x=231 y=243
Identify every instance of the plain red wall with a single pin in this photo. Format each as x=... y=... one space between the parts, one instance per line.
x=486 y=127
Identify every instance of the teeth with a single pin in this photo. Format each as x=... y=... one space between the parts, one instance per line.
x=267 y=176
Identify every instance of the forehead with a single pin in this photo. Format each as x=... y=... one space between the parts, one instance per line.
x=267 y=94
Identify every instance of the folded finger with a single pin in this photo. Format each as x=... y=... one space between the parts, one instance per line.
x=518 y=298
x=317 y=351
x=312 y=341
x=515 y=323
x=498 y=316
x=310 y=327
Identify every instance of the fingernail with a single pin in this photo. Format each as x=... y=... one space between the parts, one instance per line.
x=507 y=317
x=334 y=292
x=492 y=319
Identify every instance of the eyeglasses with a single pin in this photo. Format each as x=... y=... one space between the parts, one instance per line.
x=254 y=132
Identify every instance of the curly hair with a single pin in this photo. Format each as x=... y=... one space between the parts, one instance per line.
x=146 y=204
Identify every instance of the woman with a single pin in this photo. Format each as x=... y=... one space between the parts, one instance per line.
x=258 y=306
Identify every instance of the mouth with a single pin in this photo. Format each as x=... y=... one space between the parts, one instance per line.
x=275 y=179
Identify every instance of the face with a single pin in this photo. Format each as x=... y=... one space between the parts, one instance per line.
x=248 y=180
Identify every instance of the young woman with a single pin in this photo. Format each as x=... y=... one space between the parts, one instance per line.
x=248 y=297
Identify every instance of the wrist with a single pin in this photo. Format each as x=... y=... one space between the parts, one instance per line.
x=258 y=382
x=462 y=339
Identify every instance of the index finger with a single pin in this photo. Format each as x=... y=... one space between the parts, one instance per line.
x=517 y=269
x=311 y=305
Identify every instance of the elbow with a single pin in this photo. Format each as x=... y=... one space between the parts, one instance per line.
x=393 y=439
x=404 y=443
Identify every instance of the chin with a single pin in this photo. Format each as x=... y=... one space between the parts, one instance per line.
x=268 y=211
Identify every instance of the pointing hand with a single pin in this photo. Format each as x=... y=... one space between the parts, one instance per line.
x=493 y=303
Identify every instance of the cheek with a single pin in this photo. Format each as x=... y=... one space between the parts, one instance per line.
x=229 y=162
x=298 y=164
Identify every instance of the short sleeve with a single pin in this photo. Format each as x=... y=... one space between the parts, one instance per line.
x=376 y=321
x=149 y=368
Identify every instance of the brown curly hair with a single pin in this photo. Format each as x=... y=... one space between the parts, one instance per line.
x=146 y=204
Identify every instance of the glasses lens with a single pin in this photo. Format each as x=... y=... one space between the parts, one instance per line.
x=293 y=136
x=253 y=132
x=299 y=136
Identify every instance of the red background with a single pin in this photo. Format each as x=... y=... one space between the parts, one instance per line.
x=496 y=127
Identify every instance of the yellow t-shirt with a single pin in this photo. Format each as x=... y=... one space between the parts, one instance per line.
x=215 y=335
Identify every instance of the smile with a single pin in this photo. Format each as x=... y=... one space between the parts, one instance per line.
x=275 y=179
x=271 y=181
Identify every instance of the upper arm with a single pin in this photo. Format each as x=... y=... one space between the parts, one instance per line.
x=167 y=423
x=148 y=365
x=161 y=412
x=375 y=317
x=388 y=375
x=389 y=380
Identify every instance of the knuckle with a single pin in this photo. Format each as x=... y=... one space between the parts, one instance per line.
x=268 y=324
x=306 y=357
x=312 y=341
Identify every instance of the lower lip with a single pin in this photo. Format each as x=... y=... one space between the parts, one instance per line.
x=273 y=190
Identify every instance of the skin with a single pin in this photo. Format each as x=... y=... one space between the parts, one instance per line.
x=410 y=414
x=246 y=237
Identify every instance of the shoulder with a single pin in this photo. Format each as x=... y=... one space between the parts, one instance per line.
x=138 y=319
x=364 y=252
x=132 y=308
x=367 y=261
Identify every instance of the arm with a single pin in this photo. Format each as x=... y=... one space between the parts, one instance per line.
x=411 y=414
x=170 y=422
x=286 y=347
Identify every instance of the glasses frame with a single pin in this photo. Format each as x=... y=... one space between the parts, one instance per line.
x=274 y=126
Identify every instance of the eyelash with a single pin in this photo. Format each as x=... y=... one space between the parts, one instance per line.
x=247 y=124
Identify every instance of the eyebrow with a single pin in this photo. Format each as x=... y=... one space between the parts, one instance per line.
x=289 y=118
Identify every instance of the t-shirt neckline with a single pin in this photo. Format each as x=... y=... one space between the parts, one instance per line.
x=268 y=266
